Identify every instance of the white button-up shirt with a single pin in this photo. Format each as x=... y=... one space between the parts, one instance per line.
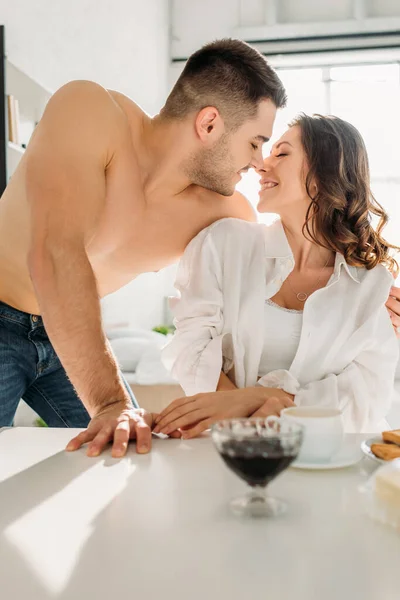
x=347 y=353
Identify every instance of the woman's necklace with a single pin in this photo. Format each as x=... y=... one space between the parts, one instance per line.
x=302 y=296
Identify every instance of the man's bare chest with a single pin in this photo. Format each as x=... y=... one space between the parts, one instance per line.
x=134 y=238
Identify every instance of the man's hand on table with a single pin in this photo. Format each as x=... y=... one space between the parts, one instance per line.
x=118 y=423
x=194 y=414
x=393 y=306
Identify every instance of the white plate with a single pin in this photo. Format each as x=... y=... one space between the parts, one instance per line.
x=366 y=448
x=346 y=457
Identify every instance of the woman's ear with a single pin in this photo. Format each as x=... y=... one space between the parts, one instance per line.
x=313 y=187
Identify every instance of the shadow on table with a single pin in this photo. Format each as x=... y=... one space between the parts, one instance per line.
x=141 y=556
x=21 y=494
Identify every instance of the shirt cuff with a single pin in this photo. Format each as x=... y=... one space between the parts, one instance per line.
x=282 y=380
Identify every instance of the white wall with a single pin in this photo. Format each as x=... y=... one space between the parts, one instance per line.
x=140 y=304
x=194 y=23
x=123 y=45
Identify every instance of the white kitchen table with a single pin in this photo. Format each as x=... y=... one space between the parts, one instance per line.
x=158 y=526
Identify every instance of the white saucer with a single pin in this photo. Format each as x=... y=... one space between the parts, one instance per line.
x=366 y=448
x=346 y=457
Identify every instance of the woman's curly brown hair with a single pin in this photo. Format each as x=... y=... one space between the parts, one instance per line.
x=340 y=212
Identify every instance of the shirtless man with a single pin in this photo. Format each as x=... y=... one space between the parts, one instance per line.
x=102 y=194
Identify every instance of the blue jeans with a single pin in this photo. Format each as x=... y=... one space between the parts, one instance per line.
x=30 y=369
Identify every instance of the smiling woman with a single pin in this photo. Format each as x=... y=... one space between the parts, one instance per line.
x=293 y=313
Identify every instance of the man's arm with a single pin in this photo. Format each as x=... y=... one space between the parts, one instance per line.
x=66 y=163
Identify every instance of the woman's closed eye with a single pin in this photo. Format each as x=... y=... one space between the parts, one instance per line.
x=254 y=146
x=279 y=155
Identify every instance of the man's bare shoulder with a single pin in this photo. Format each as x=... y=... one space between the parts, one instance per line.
x=83 y=93
x=134 y=113
x=125 y=102
x=236 y=206
x=99 y=97
x=239 y=207
x=81 y=112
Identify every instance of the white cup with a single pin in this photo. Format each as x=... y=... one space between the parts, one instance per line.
x=323 y=432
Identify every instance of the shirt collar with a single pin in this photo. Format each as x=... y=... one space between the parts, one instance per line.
x=340 y=262
x=277 y=246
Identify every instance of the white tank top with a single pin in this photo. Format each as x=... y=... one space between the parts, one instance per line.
x=282 y=329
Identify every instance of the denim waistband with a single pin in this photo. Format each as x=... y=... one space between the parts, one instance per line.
x=24 y=318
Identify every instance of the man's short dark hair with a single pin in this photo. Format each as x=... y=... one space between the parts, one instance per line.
x=228 y=74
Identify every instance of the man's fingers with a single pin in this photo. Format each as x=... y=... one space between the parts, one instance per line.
x=393 y=305
x=188 y=419
x=198 y=429
x=101 y=439
x=122 y=434
x=143 y=436
x=395 y=291
x=118 y=424
x=80 y=439
x=175 y=404
x=395 y=319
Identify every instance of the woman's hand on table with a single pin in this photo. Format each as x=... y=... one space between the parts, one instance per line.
x=194 y=414
x=273 y=406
